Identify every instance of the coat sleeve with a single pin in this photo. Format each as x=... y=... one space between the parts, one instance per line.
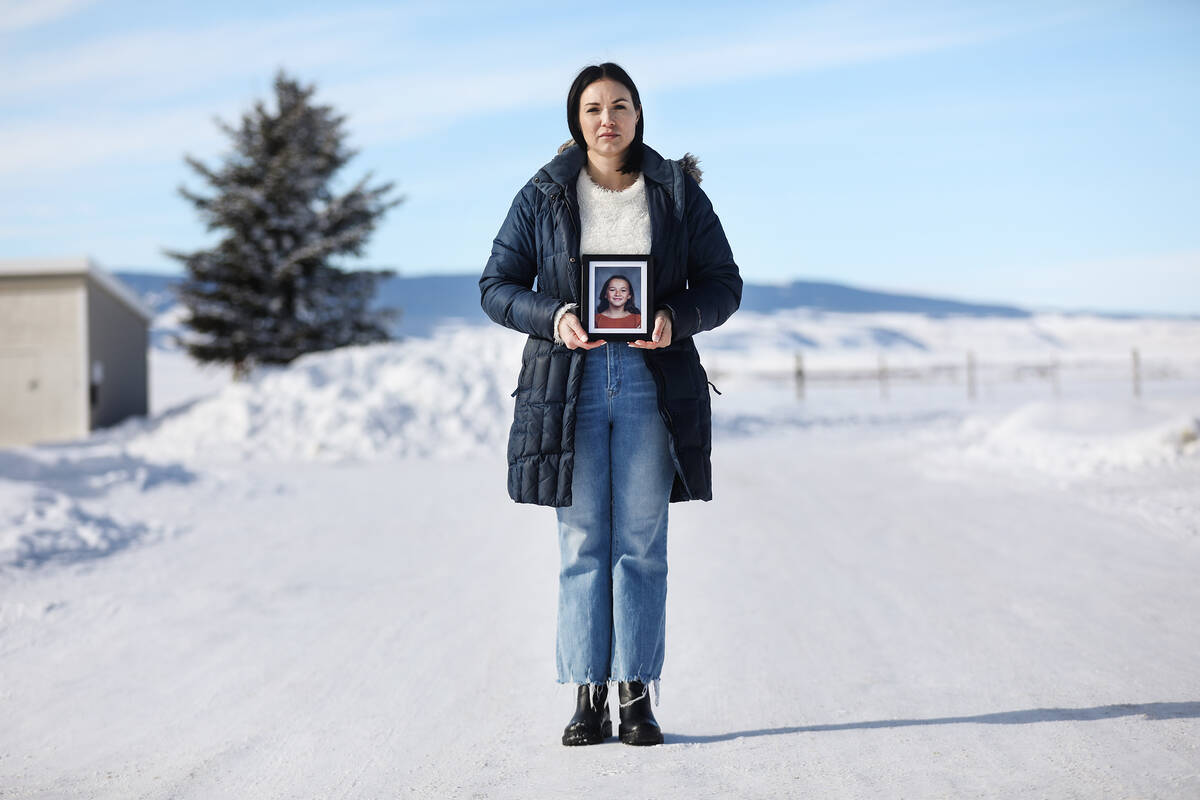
x=506 y=287
x=714 y=283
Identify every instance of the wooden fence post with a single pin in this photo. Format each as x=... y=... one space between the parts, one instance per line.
x=970 y=375
x=1137 y=373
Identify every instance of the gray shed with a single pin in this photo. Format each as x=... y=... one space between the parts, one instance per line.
x=73 y=342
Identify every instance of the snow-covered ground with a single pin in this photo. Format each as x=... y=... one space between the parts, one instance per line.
x=312 y=584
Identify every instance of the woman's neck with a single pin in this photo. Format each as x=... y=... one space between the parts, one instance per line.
x=606 y=172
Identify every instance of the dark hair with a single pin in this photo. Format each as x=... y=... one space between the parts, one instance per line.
x=630 y=305
x=586 y=77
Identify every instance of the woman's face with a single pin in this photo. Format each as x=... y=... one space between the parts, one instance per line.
x=617 y=293
x=607 y=117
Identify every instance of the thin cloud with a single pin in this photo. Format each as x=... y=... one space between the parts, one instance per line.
x=170 y=62
x=16 y=15
x=822 y=37
x=827 y=36
x=69 y=144
x=416 y=85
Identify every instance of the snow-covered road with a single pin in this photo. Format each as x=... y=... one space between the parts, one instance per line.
x=854 y=616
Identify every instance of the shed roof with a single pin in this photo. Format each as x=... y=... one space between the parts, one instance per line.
x=45 y=267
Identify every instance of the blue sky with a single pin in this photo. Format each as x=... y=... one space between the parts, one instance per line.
x=1039 y=153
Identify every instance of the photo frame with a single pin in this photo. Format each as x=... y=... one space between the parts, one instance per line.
x=631 y=303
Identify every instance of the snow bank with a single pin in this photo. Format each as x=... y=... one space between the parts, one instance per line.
x=1081 y=439
x=167 y=328
x=38 y=524
x=446 y=396
x=449 y=397
x=55 y=502
x=770 y=342
x=442 y=397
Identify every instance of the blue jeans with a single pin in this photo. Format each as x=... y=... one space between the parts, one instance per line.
x=612 y=588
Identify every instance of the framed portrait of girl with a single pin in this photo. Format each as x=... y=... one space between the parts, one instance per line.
x=618 y=297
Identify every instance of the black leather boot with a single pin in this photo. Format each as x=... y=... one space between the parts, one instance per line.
x=638 y=725
x=591 y=723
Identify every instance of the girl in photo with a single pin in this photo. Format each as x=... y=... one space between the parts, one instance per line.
x=617 y=308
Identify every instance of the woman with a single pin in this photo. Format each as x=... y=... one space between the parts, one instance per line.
x=608 y=434
x=617 y=308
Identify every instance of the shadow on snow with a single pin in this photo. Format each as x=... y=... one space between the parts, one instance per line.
x=1150 y=711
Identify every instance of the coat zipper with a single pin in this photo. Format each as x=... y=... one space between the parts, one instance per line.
x=573 y=271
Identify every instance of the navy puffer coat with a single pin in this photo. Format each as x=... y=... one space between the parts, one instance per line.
x=534 y=269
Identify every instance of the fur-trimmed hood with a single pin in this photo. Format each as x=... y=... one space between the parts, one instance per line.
x=689 y=163
x=558 y=177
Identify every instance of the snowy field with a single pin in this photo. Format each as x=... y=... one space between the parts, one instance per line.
x=312 y=584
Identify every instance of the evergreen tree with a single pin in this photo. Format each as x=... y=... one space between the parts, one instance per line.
x=267 y=292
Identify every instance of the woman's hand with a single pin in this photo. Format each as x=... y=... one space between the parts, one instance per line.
x=571 y=331
x=662 y=333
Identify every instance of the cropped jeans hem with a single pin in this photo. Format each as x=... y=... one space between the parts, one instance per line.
x=632 y=678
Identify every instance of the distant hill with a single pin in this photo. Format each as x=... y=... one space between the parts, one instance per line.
x=839 y=297
x=430 y=299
